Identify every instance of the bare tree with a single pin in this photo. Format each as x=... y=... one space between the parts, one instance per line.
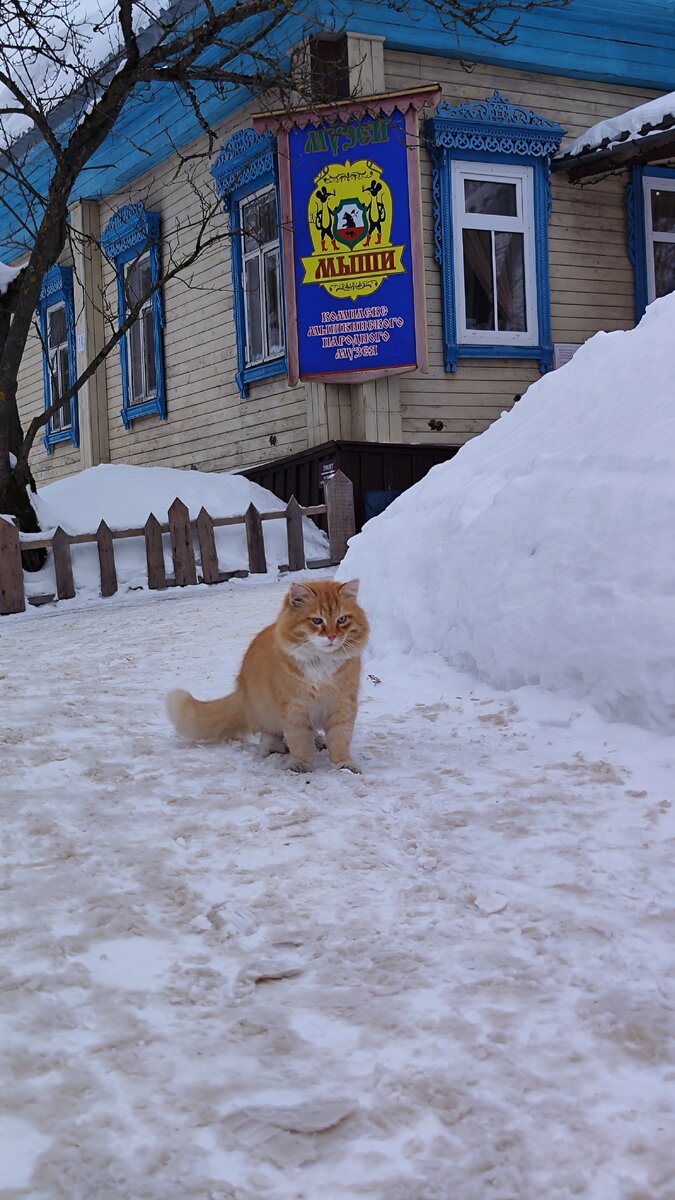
x=67 y=70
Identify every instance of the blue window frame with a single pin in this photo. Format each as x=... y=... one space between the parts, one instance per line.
x=492 y=202
x=131 y=241
x=651 y=233
x=245 y=174
x=56 y=314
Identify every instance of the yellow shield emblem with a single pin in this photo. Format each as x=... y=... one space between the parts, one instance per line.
x=350 y=217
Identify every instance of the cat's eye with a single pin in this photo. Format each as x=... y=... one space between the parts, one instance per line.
x=342 y=620
x=317 y=620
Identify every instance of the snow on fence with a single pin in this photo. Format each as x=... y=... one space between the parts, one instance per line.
x=339 y=510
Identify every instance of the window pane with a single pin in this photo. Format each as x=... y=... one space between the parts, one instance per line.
x=139 y=281
x=134 y=284
x=510 y=264
x=254 y=339
x=56 y=323
x=663 y=212
x=63 y=370
x=57 y=420
x=478 y=279
x=64 y=384
x=146 y=276
x=273 y=301
x=664 y=267
x=136 y=363
x=250 y=222
x=490 y=198
x=149 y=353
x=268 y=217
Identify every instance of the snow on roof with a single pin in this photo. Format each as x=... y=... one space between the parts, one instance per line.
x=628 y=126
x=541 y=553
x=7 y=274
x=52 y=54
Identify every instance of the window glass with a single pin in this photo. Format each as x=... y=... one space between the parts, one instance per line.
x=664 y=267
x=56 y=322
x=139 y=280
x=510 y=273
x=273 y=301
x=149 y=353
x=141 y=343
x=136 y=357
x=663 y=210
x=250 y=220
x=478 y=290
x=268 y=217
x=261 y=278
x=59 y=364
x=254 y=340
x=60 y=384
x=494 y=255
x=490 y=197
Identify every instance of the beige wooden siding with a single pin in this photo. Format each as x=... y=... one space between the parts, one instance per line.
x=591 y=275
x=209 y=425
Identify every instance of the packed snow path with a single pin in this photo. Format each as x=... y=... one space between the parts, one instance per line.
x=450 y=978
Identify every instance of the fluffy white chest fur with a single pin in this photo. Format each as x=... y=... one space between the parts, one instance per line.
x=320 y=667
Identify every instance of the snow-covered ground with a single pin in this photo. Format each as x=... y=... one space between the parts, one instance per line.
x=450 y=978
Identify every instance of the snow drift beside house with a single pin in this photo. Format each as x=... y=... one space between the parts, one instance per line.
x=543 y=552
x=124 y=496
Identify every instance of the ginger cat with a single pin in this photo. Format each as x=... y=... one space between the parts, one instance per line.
x=299 y=675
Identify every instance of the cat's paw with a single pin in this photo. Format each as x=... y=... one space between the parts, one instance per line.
x=348 y=765
x=300 y=766
x=272 y=743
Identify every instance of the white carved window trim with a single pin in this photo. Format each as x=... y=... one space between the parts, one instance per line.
x=523 y=223
x=261 y=252
x=651 y=184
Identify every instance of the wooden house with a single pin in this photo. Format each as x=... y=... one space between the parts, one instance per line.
x=516 y=261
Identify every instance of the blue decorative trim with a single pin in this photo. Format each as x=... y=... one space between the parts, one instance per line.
x=244 y=160
x=482 y=132
x=494 y=126
x=57 y=288
x=130 y=233
x=247 y=163
x=637 y=231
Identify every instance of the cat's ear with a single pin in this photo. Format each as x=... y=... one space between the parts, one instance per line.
x=299 y=595
x=351 y=588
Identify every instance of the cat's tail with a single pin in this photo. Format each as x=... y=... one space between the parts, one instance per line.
x=207 y=720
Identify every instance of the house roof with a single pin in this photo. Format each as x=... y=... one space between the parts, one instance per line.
x=631 y=42
x=643 y=134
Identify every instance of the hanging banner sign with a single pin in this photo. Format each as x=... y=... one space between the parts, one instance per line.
x=352 y=237
x=353 y=273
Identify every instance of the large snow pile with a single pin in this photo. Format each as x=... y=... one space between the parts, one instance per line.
x=124 y=497
x=543 y=553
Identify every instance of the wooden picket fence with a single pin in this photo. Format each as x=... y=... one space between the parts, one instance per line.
x=338 y=508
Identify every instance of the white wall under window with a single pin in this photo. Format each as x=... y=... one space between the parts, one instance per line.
x=659 y=197
x=494 y=254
